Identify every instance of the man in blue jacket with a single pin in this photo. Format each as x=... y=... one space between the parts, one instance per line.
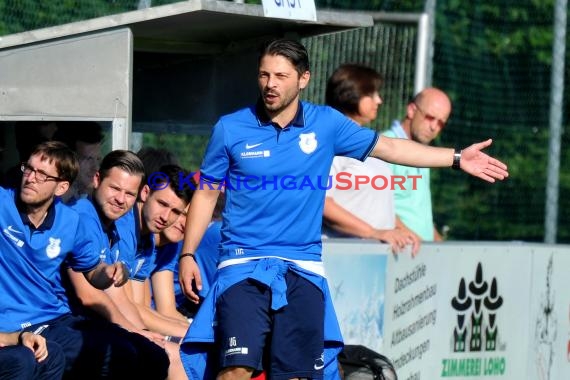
x=270 y=306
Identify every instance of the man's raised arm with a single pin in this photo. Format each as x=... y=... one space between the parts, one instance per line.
x=471 y=159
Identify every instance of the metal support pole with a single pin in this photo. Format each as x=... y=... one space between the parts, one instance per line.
x=430 y=9
x=556 y=98
x=422 y=58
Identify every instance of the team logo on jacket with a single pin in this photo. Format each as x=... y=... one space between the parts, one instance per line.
x=54 y=247
x=139 y=265
x=308 y=142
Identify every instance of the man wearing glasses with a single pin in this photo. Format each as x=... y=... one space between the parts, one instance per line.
x=426 y=116
x=37 y=234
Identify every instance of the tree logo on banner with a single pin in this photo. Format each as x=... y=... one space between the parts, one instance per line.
x=476 y=336
x=476 y=305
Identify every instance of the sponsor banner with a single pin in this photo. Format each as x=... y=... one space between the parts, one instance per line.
x=549 y=328
x=411 y=313
x=457 y=311
x=356 y=276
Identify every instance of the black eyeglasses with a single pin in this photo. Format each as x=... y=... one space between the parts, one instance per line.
x=40 y=175
x=430 y=118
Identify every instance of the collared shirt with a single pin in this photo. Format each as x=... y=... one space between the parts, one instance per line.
x=115 y=242
x=46 y=224
x=413 y=206
x=264 y=119
x=30 y=261
x=397 y=130
x=109 y=242
x=207 y=257
x=146 y=255
x=276 y=177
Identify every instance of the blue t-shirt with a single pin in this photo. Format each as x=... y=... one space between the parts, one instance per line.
x=276 y=177
x=167 y=260
x=413 y=205
x=207 y=258
x=30 y=260
x=208 y=255
x=167 y=257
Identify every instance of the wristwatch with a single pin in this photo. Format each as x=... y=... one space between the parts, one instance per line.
x=456 y=160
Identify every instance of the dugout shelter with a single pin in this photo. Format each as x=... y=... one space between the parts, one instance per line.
x=184 y=63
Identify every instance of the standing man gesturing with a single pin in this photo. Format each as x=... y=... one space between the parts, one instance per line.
x=270 y=302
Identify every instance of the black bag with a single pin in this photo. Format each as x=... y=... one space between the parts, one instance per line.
x=361 y=363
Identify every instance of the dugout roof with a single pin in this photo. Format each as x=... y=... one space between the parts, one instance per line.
x=181 y=63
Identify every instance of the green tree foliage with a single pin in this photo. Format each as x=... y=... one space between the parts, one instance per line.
x=189 y=149
x=493 y=58
x=22 y=15
x=373 y=5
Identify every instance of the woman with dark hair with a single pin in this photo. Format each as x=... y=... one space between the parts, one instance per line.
x=363 y=210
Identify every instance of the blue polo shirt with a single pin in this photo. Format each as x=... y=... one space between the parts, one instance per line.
x=207 y=257
x=145 y=259
x=136 y=250
x=144 y=254
x=167 y=257
x=114 y=243
x=276 y=177
x=126 y=244
x=30 y=261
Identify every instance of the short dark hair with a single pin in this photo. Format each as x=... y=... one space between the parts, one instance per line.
x=348 y=84
x=173 y=174
x=122 y=159
x=64 y=158
x=292 y=50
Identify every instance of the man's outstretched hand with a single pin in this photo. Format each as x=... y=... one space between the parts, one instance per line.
x=479 y=164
